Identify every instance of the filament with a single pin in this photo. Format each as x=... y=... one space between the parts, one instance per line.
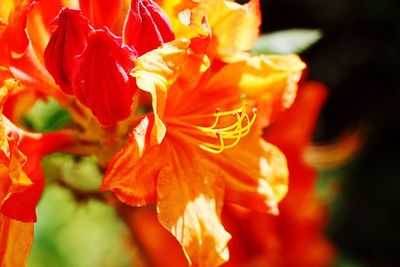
x=217 y=137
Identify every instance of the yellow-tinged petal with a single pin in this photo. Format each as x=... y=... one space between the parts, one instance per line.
x=15 y=242
x=270 y=81
x=186 y=17
x=234 y=27
x=190 y=197
x=156 y=71
x=256 y=174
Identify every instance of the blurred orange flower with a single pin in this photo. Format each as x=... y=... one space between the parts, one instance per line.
x=295 y=237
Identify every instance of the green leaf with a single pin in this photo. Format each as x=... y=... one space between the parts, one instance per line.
x=47 y=116
x=287 y=41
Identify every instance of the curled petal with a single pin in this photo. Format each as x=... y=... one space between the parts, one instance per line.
x=173 y=63
x=100 y=80
x=147 y=26
x=187 y=18
x=21 y=184
x=132 y=173
x=234 y=27
x=16 y=240
x=13 y=16
x=189 y=203
x=68 y=40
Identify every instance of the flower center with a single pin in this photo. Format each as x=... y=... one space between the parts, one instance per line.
x=226 y=130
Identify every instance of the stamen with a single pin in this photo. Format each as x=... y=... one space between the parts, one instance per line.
x=224 y=137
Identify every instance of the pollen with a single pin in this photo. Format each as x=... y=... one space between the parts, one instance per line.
x=225 y=132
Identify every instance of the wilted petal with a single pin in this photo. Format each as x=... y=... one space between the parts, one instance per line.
x=190 y=195
x=100 y=80
x=68 y=40
x=16 y=240
x=147 y=26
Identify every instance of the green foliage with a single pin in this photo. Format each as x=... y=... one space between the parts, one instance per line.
x=287 y=41
x=347 y=262
x=47 y=116
x=83 y=173
x=71 y=234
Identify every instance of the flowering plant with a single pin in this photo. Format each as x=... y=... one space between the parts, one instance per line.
x=165 y=95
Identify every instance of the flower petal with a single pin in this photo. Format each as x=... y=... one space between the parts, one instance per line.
x=21 y=184
x=102 y=12
x=100 y=80
x=189 y=203
x=16 y=240
x=234 y=27
x=68 y=40
x=298 y=122
x=269 y=82
x=152 y=237
x=156 y=71
x=147 y=26
x=13 y=15
x=132 y=173
x=256 y=174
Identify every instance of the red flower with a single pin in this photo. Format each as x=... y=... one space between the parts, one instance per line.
x=21 y=180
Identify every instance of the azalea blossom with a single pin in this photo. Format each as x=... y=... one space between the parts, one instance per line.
x=295 y=237
x=199 y=145
x=204 y=144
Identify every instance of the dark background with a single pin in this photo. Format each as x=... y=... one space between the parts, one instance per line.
x=358 y=60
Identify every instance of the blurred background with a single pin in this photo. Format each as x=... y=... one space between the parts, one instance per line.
x=357 y=58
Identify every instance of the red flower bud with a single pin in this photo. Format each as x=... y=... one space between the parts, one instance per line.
x=101 y=78
x=69 y=38
x=147 y=26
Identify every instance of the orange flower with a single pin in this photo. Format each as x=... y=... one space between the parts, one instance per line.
x=202 y=145
x=295 y=237
x=21 y=180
